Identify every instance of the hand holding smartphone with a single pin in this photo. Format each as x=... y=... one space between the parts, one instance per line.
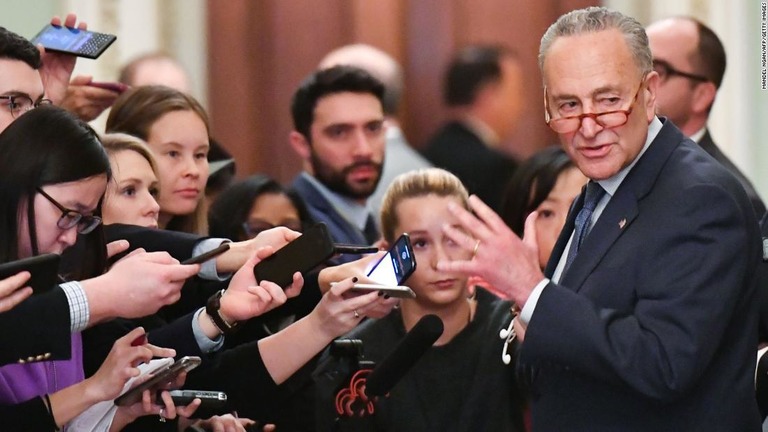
x=44 y=271
x=303 y=254
x=158 y=379
x=81 y=43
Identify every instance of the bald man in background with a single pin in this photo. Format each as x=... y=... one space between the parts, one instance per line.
x=690 y=60
x=399 y=156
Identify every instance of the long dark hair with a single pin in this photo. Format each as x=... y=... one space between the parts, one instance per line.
x=232 y=206
x=531 y=184
x=47 y=145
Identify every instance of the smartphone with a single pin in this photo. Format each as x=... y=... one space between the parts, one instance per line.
x=209 y=399
x=213 y=253
x=44 y=269
x=398 y=291
x=158 y=379
x=341 y=248
x=303 y=254
x=82 y=43
x=396 y=265
x=111 y=86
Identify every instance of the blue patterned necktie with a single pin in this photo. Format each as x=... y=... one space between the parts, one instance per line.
x=591 y=198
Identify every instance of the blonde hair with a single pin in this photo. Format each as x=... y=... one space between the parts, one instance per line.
x=428 y=181
x=116 y=142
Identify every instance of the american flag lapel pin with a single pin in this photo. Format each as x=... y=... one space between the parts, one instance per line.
x=622 y=222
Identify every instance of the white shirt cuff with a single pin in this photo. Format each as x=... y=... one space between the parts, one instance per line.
x=530 y=305
x=206 y=345
x=79 y=312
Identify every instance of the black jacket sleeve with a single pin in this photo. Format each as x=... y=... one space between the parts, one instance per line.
x=37 y=329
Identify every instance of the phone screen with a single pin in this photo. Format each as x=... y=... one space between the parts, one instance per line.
x=64 y=38
x=82 y=43
x=397 y=265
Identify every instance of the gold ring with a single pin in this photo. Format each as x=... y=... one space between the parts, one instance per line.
x=357 y=315
x=477 y=246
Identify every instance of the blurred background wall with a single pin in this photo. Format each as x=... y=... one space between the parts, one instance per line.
x=246 y=57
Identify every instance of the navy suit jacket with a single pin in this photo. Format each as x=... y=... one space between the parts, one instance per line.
x=710 y=147
x=342 y=231
x=654 y=325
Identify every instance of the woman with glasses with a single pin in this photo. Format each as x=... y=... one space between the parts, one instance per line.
x=53 y=173
x=253 y=205
x=243 y=211
x=248 y=374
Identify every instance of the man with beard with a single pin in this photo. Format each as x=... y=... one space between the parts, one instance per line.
x=339 y=133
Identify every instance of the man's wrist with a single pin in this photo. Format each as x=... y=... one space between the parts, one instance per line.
x=213 y=310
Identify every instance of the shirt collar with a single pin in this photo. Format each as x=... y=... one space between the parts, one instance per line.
x=699 y=134
x=351 y=210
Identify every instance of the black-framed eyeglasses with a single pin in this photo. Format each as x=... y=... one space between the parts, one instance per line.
x=606 y=119
x=253 y=228
x=19 y=104
x=666 y=71
x=70 y=218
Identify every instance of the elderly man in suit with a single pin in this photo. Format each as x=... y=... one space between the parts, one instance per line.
x=648 y=321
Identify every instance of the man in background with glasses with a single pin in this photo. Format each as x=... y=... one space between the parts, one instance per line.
x=645 y=318
x=690 y=60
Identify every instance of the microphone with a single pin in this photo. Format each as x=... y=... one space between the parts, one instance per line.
x=404 y=356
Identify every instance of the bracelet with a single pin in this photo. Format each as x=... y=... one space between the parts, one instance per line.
x=212 y=308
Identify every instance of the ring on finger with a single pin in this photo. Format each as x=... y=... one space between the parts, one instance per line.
x=161 y=414
x=477 y=246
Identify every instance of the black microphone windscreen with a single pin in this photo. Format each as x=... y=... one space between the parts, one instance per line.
x=404 y=356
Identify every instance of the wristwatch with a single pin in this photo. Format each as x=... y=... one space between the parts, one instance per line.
x=212 y=308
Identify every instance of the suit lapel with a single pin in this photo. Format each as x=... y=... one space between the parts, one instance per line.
x=615 y=219
x=565 y=234
x=323 y=211
x=621 y=210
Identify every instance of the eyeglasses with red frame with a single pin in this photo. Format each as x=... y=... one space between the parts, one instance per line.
x=606 y=119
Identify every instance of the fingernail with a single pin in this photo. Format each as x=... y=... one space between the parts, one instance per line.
x=354 y=279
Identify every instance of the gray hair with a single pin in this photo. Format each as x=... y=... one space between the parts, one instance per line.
x=595 y=19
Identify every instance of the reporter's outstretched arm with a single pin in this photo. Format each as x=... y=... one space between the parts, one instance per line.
x=288 y=350
x=136 y=286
